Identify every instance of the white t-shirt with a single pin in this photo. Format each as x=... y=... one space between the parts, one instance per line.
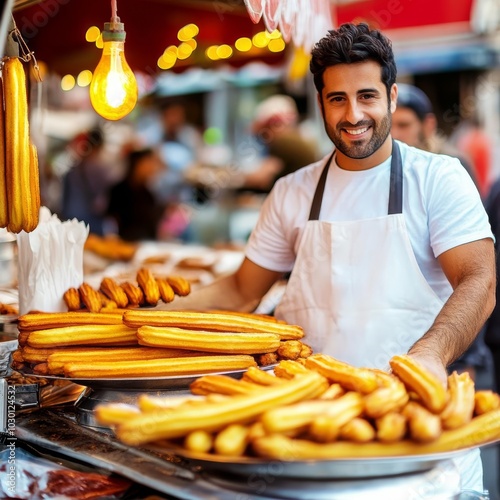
x=441 y=207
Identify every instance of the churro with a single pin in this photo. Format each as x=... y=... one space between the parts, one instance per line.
x=361 y=380
x=418 y=379
x=231 y=343
x=161 y=367
x=210 y=321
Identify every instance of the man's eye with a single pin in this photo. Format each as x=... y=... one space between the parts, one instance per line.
x=368 y=96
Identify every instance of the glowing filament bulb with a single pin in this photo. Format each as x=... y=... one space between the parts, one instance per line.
x=113 y=90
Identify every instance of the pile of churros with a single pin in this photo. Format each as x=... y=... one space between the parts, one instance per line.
x=111 y=295
x=147 y=343
x=321 y=408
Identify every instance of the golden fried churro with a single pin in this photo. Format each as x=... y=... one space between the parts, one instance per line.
x=423 y=425
x=107 y=303
x=4 y=204
x=167 y=293
x=157 y=367
x=149 y=286
x=115 y=413
x=290 y=349
x=460 y=407
x=357 y=430
x=180 y=285
x=265 y=317
x=261 y=377
x=326 y=426
x=199 y=441
x=57 y=359
x=231 y=343
x=221 y=384
x=134 y=293
x=149 y=403
x=72 y=300
x=114 y=292
x=22 y=338
x=43 y=321
x=232 y=441
x=300 y=415
x=83 y=335
x=418 y=379
x=355 y=379
x=333 y=392
x=267 y=359
x=17 y=356
x=17 y=147
x=216 y=416
x=486 y=401
x=288 y=369
x=40 y=369
x=210 y=321
x=391 y=427
x=90 y=297
x=386 y=399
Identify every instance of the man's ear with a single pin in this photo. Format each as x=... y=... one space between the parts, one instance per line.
x=394 y=97
x=429 y=125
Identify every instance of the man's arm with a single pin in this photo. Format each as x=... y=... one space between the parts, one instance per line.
x=470 y=269
x=240 y=291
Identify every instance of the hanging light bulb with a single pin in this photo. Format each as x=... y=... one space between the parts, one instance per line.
x=113 y=90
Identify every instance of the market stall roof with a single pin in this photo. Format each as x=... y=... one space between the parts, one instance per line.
x=55 y=30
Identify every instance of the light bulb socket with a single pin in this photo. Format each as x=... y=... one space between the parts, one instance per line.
x=114 y=31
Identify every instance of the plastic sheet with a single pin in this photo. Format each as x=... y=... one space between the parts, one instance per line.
x=26 y=476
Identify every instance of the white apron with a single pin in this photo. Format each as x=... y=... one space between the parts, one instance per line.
x=356 y=287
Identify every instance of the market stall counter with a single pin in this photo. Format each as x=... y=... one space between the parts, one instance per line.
x=205 y=405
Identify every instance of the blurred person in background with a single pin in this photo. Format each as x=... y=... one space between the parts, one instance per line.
x=471 y=139
x=285 y=149
x=415 y=123
x=178 y=144
x=132 y=204
x=86 y=185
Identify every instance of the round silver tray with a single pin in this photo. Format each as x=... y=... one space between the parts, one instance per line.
x=142 y=383
x=342 y=468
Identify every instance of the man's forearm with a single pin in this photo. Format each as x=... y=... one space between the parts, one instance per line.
x=459 y=321
x=221 y=294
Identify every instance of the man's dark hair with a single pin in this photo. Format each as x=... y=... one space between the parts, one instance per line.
x=352 y=43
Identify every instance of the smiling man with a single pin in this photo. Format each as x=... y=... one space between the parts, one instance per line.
x=389 y=247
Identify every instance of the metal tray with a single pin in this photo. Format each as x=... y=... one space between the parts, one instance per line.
x=143 y=383
x=344 y=468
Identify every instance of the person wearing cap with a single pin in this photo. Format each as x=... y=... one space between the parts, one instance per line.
x=415 y=123
x=389 y=247
x=284 y=148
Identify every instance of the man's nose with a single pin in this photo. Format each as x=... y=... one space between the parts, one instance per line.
x=354 y=112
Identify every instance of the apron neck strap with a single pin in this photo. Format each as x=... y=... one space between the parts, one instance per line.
x=395 y=189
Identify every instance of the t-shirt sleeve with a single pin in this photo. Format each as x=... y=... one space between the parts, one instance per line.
x=456 y=212
x=270 y=244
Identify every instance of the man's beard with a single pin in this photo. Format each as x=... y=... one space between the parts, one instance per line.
x=360 y=149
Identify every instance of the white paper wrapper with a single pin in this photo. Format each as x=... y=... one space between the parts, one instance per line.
x=50 y=260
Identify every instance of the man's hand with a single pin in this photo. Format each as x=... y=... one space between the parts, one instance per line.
x=432 y=363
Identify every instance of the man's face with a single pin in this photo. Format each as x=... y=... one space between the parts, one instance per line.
x=356 y=111
x=407 y=127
